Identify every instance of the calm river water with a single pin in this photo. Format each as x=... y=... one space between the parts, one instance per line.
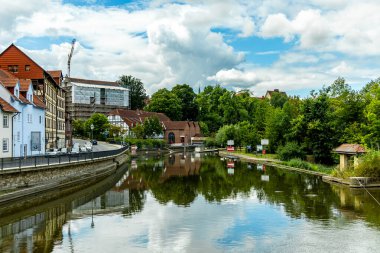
x=187 y=203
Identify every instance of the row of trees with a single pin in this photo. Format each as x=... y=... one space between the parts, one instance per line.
x=333 y=115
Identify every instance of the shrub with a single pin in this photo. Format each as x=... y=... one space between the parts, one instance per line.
x=289 y=151
x=298 y=163
x=369 y=165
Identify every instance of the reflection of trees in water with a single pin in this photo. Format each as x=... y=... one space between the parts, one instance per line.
x=299 y=194
x=136 y=202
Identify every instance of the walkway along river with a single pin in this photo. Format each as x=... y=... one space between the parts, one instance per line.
x=188 y=203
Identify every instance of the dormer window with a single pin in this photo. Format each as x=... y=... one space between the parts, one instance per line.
x=13 y=68
x=17 y=93
x=27 y=67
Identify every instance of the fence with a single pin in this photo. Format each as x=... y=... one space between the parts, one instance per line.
x=35 y=161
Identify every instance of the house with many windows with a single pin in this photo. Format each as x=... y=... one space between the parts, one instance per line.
x=45 y=86
x=28 y=124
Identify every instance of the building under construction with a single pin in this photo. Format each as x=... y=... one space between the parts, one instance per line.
x=85 y=97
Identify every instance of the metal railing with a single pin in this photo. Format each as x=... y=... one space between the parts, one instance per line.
x=60 y=158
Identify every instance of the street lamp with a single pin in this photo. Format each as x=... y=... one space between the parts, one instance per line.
x=92 y=132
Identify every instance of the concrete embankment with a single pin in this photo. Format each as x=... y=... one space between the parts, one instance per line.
x=57 y=180
x=353 y=182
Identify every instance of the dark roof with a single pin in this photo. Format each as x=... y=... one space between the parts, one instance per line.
x=95 y=82
x=6 y=107
x=177 y=125
x=275 y=91
x=349 y=149
x=137 y=116
x=38 y=102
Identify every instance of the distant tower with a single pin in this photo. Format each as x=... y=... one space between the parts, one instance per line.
x=70 y=56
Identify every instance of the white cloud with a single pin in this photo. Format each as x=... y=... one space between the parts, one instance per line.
x=235 y=77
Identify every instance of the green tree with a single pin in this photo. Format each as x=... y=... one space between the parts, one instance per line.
x=187 y=96
x=138 y=130
x=100 y=123
x=136 y=89
x=152 y=126
x=79 y=128
x=372 y=114
x=166 y=102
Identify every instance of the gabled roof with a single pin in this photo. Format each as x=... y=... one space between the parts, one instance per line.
x=93 y=82
x=33 y=74
x=24 y=84
x=55 y=73
x=137 y=116
x=6 y=107
x=38 y=102
x=350 y=149
x=7 y=79
x=176 y=125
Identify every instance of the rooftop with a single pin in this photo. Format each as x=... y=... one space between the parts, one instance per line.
x=6 y=107
x=93 y=82
x=350 y=149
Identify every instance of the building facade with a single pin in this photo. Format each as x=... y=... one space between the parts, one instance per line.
x=45 y=87
x=181 y=132
x=85 y=97
x=28 y=129
x=6 y=125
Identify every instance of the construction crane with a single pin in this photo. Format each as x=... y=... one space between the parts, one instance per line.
x=70 y=56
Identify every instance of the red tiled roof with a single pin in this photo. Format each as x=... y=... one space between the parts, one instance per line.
x=137 y=116
x=38 y=102
x=23 y=99
x=95 y=82
x=24 y=84
x=350 y=149
x=6 y=107
x=6 y=74
x=176 y=125
x=55 y=73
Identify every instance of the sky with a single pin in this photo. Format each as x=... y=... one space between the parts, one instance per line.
x=259 y=45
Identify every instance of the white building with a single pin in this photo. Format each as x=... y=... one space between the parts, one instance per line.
x=6 y=113
x=28 y=132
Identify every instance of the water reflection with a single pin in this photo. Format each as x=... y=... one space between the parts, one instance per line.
x=190 y=203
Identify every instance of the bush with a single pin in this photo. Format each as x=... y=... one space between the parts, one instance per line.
x=289 y=151
x=369 y=165
x=297 y=163
x=210 y=142
x=146 y=143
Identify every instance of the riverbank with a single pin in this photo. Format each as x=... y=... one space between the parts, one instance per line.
x=55 y=182
x=353 y=182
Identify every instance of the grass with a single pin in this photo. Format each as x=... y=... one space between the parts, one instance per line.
x=297 y=163
x=266 y=156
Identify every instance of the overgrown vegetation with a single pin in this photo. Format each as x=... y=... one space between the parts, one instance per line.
x=369 y=165
x=298 y=163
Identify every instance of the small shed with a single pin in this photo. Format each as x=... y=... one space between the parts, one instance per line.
x=345 y=151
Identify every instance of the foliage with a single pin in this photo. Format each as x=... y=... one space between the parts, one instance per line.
x=289 y=151
x=166 y=102
x=187 y=96
x=369 y=165
x=145 y=143
x=298 y=163
x=138 y=130
x=136 y=89
x=100 y=123
x=152 y=126
x=79 y=127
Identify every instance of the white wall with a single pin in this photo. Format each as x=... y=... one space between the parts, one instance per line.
x=5 y=133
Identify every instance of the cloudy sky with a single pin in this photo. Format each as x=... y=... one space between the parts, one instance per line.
x=293 y=45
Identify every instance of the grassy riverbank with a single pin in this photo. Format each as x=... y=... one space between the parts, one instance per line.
x=295 y=163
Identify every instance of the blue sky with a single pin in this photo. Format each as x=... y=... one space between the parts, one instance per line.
x=257 y=45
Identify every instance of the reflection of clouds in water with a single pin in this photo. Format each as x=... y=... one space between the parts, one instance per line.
x=242 y=224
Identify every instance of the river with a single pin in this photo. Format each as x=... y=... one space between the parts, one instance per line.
x=189 y=203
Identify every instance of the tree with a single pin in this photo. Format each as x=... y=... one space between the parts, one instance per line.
x=187 y=96
x=152 y=126
x=79 y=127
x=136 y=89
x=100 y=123
x=138 y=130
x=166 y=102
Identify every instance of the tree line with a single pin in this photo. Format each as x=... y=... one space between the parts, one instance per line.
x=333 y=115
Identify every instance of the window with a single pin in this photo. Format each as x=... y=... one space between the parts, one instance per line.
x=27 y=67
x=5 y=144
x=18 y=136
x=29 y=118
x=40 y=119
x=13 y=68
x=5 y=121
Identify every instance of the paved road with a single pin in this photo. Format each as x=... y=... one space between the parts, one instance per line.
x=102 y=146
